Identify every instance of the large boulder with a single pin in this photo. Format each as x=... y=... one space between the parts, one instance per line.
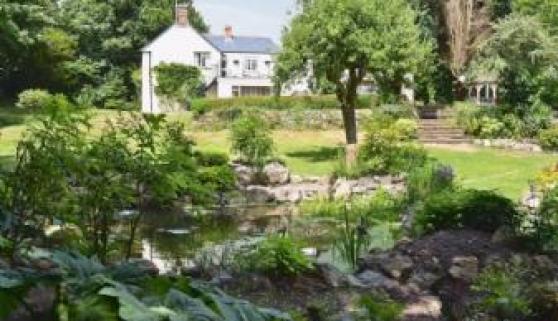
x=259 y=194
x=276 y=173
x=245 y=175
x=464 y=268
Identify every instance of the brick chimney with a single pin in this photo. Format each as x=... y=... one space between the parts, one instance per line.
x=182 y=15
x=229 y=32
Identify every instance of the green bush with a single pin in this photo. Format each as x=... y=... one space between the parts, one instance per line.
x=427 y=180
x=548 y=139
x=379 y=308
x=212 y=159
x=33 y=99
x=475 y=209
x=38 y=99
x=503 y=295
x=204 y=105
x=251 y=140
x=177 y=83
x=540 y=231
x=276 y=256
x=388 y=147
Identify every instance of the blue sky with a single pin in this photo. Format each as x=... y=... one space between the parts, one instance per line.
x=248 y=17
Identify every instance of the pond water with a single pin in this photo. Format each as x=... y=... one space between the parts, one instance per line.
x=177 y=240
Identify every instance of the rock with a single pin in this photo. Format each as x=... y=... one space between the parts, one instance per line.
x=221 y=279
x=333 y=276
x=145 y=266
x=424 y=308
x=342 y=188
x=396 y=265
x=259 y=194
x=423 y=279
x=296 y=179
x=276 y=174
x=245 y=175
x=364 y=185
x=502 y=234
x=464 y=268
x=371 y=279
x=44 y=265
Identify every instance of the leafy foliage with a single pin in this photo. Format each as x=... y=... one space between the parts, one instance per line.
x=480 y=210
x=125 y=292
x=389 y=147
x=503 y=294
x=344 y=40
x=378 y=308
x=548 y=139
x=63 y=174
x=276 y=256
x=177 y=83
x=251 y=139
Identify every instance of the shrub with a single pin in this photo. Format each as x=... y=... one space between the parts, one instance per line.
x=177 y=83
x=212 y=159
x=541 y=229
x=379 y=308
x=38 y=99
x=33 y=99
x=490 y=127
x=251 y=139
x=388 y=148
x=427 y=180
x=276 y=256
x=548 y=139
x=475 y=209
x=502 y=294
x=204 y=105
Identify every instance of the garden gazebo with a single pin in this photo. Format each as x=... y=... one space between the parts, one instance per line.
x=483 y=90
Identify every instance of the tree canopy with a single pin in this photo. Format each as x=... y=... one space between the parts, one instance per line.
x=346 y=40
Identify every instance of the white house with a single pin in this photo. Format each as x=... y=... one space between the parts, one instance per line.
x=231 y=65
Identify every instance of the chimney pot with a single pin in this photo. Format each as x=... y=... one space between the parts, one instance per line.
x=229 y=32
x=182 y=15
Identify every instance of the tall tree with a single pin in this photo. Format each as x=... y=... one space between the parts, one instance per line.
x=345 y=40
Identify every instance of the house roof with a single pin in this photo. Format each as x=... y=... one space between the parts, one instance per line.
x=242 y=44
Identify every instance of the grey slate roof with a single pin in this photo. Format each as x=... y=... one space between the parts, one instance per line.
x=243 y=44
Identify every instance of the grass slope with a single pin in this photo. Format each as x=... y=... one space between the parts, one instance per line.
x=314 y=153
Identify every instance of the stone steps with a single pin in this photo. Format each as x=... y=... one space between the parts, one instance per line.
x=440 y=130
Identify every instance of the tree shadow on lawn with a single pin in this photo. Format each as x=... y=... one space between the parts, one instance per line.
x=6 y=162
x=12 y=117
x=320 y=154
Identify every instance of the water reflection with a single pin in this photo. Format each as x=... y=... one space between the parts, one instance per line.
x=171 y=240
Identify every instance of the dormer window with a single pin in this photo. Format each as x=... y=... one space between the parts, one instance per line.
x=201 y=59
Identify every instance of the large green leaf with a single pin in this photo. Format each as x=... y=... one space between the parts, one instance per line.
x=131 y=309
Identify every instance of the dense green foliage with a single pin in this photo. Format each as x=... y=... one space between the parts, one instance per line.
x=204 y=105
x=346 y=40
x=80 y=47
x=177 y=84
x=251 y=140
x=378 y=308
x=84 y=289
x=474 y=209
x=276 y=256
x=389 y=147
x=548 y=139
x=504 y=297
x=522 y=52
x=505 y=121
x=62 y=174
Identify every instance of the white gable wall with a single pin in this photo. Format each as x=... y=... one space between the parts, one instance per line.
x=237 y=70
x=176 y=45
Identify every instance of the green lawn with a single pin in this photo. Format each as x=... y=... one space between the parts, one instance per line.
x=314 y=153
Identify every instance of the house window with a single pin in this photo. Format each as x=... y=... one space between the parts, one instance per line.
x=201 y=59
x=251 y=64
x=236 y=91
x=254 y=91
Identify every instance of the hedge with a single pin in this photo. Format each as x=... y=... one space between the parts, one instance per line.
x=203 y=105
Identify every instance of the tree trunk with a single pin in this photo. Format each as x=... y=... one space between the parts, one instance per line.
x=351 y=136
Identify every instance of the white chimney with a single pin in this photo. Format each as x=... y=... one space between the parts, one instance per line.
x=182 y=15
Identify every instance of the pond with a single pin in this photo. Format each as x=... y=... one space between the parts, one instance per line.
x=177 y=239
